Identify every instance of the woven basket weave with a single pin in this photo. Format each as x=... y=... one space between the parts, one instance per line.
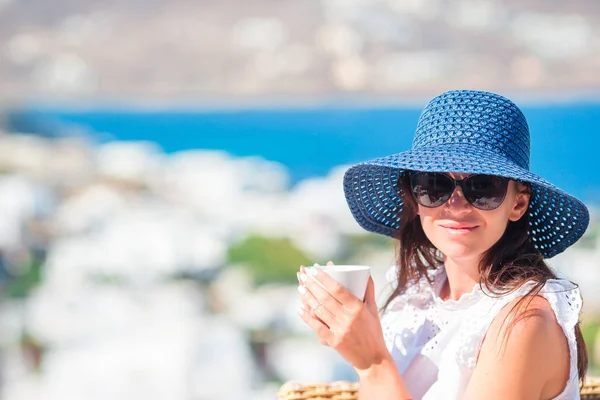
x=339 y=390
x=591 y=389
x=343 y=390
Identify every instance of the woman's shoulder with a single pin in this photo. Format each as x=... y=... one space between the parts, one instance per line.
x=554 y=304
x=538 y=323
x=525 y=316
x=533 y=329
x=560 y=297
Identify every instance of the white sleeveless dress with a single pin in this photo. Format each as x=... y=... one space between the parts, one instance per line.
x=435 y=343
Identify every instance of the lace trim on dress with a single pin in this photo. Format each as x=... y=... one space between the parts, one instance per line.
x=567 y=308
x=482 y=306
x=465 y=300
x=417 y=292
x=408 y=307
x=564 y=298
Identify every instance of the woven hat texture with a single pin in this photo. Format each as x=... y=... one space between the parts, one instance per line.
x=471 y=132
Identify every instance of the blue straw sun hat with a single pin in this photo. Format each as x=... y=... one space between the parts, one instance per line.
x=471 y=132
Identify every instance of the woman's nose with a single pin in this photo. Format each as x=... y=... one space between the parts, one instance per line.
x=457 y=200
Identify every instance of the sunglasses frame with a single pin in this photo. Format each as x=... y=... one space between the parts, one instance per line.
x=459 y=183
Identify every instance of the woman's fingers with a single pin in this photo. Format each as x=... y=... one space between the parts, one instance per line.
x=320 y=309
x=314 y=306
x=370 y=301
x=317 y=325
x=329 y=291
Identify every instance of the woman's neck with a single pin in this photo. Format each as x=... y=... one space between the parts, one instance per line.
x=462 y=276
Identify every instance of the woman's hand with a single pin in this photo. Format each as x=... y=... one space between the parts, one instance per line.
x=341 y=320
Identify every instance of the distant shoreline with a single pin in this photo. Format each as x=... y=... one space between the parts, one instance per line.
x=311 y=141
x=270 y=102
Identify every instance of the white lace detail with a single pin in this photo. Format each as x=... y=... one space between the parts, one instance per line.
x=467 y=298
x=417 y=292
x=415 y=320
x=391 y=274
x=565 y=300
x=406 y=309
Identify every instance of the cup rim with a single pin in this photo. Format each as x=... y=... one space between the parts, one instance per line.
x=345 y=267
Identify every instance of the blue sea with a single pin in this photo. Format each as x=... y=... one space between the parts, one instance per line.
x=309 y=141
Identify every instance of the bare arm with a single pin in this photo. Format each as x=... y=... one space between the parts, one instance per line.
x=533 y=363
x=382 y=381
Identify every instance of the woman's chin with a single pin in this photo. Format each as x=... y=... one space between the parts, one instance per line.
x=457 y=251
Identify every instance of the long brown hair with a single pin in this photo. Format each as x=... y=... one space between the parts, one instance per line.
x=504 y=267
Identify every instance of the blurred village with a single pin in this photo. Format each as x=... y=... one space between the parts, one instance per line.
x=226 y=52
x=166 y=276
x=129 y=273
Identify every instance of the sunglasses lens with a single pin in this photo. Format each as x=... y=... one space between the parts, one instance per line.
x=431 y=189
x=485 y=192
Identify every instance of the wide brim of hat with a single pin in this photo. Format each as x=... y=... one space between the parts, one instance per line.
x=557 y=219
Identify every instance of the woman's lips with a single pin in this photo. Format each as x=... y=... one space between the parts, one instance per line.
x=458 y=230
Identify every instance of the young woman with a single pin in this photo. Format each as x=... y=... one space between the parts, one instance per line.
x=475 y=312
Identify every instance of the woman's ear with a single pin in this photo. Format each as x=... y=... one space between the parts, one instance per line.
x=523 y=194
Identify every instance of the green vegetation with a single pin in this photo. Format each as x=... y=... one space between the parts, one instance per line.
x=590 y=331
x=278 y=259
x=269 y=259
x=359 y=245
x=21 y=285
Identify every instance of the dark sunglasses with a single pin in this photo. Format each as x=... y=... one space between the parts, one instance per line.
x=432 y=189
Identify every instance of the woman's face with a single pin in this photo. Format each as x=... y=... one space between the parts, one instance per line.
x=482 y=229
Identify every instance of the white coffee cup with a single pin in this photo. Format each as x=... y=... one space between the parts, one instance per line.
x=353 y=277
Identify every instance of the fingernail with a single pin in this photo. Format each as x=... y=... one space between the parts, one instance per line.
x=303 y=277
x=302 y=289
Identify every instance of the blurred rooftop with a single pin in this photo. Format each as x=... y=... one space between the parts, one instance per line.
x=178 y=49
